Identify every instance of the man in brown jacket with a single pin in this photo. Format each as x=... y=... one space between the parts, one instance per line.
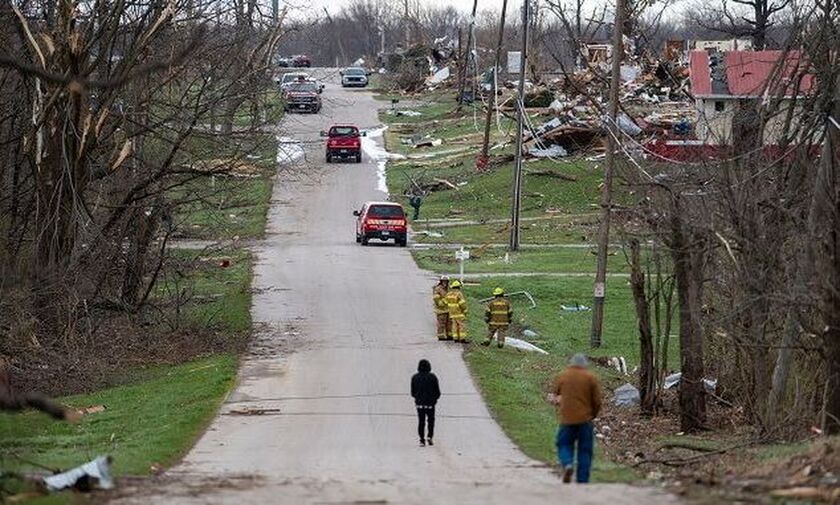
x=577 y=395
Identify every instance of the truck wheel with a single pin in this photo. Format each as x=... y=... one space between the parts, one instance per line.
x=364 y=240
x=358 y=238
x=329 y=158
x=359 y=158
x=402 y=242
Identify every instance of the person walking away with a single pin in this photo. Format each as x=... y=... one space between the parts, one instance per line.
x=577 y=395
x=498 y=315
x=441 y=308
x=426 y=391
x=457 y=306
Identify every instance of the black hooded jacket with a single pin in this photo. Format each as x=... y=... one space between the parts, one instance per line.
x=424 y=385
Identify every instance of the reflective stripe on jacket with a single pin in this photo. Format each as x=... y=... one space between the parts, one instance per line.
x=439 y=299
x=456 y=304
x=498 y=312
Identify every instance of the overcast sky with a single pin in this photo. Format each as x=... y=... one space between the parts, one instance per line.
x=311 y=6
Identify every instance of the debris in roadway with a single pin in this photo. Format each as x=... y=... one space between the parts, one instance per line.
x=95 y=474
x=252 y=412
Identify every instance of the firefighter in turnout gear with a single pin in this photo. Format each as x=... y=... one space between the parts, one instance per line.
x=457 y=306
x=441 y=308
x=498 y=315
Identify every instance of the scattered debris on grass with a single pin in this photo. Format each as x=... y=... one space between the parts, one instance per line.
x=523 y=345
x=92 y=475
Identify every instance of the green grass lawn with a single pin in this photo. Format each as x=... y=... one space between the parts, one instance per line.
x=514 y=382
x=486 y=195
x=153 y=419
x=228 y=207
x=218 y=297
x=559 y=229
x=492 y=260
x=153 y=414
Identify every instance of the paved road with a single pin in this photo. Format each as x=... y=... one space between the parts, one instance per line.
x=343 y=327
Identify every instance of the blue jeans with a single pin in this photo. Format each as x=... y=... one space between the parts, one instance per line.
x=582 y=435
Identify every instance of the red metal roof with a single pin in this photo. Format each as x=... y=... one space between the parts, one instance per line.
x=701 y=76
x=749 y=72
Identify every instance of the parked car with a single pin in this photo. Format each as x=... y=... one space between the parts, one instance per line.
x=354 y=76
x=343 y=141
x=382 y=221
x=317 y=83
x=292 y=77
x=302 y=96
x=284 y=62
x=301 y=60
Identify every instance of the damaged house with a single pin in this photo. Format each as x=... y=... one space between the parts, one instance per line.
x=729 y=87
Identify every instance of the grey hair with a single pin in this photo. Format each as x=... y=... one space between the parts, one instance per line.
x=580 y=360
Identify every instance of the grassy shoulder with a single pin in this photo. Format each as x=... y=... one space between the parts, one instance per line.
x=153 y=413
x=514 y=382
x=227 y=206
x=152 y=419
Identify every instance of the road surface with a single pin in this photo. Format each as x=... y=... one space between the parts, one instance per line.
x=321 y=413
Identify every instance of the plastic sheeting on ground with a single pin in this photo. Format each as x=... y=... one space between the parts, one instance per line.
x=627 y=395
x=525 y=346
x=94 y=474
x=553 y=151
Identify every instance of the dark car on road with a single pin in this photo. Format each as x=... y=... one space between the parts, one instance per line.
x=343 y=141
x=382 y=221
x=302 y=96
x=301 y=60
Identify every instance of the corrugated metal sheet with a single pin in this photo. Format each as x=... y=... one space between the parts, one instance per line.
x=699 y=73
x=749 y=72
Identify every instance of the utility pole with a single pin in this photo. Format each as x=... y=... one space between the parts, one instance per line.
x=468 y=56
x=485 y=146
x=600 y=288
x=516 y=204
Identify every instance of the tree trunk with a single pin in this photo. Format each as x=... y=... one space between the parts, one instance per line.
x=781 y=372
x=647 y=372
x=688 y=274
x=825 y=253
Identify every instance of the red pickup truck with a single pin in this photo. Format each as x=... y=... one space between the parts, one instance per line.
x=383 y=221
x=344 y=141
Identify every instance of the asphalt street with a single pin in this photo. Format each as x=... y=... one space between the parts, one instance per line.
x=322 y=413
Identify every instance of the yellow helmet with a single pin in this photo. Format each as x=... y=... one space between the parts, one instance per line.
x=455 y=284
x=498 y=292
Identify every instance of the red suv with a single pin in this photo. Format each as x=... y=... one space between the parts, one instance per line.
x=343 y=141
x=382 y=221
